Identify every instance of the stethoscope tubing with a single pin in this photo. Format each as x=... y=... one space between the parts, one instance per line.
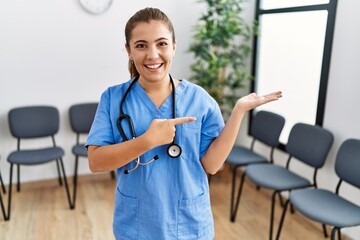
x=174 y=150
x=138 y=163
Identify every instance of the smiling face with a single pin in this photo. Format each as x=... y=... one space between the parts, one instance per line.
x=152 y=49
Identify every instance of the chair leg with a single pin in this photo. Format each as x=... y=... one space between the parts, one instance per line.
x=2 y=207
x=234 y=208
x=280 y=199
x=2 y=184
x=333 y=233
x=66 y=184
x=1 y=199
x=324 y=230
x=232 y=193
x=75 y=180
x=58 y=170
x=10 y=191
x=18 y=177
x=272 y=213
x=292 y=210
x=282 y=219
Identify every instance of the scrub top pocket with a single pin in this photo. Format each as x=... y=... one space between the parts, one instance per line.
x=189 y=139
x=126 y=217
x=195 y=218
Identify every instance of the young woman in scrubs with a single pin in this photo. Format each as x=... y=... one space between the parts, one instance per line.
x=169 y=197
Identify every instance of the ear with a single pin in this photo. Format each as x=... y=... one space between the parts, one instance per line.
x=174 y=49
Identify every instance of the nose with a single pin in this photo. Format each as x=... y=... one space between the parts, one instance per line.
x=153 y=52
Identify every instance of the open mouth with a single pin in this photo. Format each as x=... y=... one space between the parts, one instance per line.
x=153 y=66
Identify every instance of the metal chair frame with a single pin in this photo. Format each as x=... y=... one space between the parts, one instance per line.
x=16 y=133
x=262 y=121
x=81 y=116
x=335 y=229
x=1 y=199
x=278 y=192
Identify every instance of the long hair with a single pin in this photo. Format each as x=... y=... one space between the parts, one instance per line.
x=144 y=15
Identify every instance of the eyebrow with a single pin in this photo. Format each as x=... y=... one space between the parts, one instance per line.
x=157 y=40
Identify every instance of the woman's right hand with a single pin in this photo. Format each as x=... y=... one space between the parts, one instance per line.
x=162 y=131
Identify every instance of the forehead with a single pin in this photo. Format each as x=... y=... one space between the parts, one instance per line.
x=150 y=31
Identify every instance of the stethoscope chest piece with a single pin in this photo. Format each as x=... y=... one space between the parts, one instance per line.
x=174 y=150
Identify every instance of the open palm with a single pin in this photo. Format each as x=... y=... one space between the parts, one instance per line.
x=252 y=100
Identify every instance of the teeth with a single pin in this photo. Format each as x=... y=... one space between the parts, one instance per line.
x=153 y=66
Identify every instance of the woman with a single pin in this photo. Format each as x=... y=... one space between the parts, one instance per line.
x=172 y=128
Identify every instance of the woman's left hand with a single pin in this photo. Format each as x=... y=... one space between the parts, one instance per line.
x=252 y=100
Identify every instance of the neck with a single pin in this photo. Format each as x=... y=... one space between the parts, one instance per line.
x=156 y=87
x=157 y=91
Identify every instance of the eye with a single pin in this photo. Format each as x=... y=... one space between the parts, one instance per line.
x=162 y=44
x=140 y=45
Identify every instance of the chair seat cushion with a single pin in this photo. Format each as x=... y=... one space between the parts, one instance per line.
x=242 y=156
x=326 y=207
x=80 y=150
x=37 y=156
x=275 y=177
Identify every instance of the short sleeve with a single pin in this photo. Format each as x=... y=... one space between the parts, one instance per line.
x=212 y=125
x=101 y=132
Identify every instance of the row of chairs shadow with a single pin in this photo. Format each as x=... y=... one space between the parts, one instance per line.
x=309 y=144
x=34 y=122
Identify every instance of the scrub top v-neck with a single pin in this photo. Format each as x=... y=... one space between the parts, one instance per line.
x=169 y=198
x=165 y=107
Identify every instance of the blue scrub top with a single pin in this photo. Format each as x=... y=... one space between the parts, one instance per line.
x=169 y=198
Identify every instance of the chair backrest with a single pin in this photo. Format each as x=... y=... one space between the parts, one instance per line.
x=309 y=144
x=33 y=121
x=347 y=165
x=266 y=127
x=82 y=116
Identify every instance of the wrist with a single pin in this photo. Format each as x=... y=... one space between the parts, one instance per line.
x=146 y=142
x=239 y=109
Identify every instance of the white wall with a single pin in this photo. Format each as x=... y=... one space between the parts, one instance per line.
x=53 y=52
x=342 y=113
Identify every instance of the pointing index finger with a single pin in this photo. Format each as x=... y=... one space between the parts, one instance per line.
x=182 y=120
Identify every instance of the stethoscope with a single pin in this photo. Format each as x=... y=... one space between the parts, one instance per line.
x=174 y=150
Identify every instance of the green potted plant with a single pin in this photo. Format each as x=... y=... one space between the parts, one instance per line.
x=222 y=48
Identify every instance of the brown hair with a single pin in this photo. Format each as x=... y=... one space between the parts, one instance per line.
x=144 y=15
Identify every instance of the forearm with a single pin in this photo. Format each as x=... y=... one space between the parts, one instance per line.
x=222 y=145
x=110 y=157
x=160 y=132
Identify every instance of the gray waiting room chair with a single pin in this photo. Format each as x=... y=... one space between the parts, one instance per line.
x=81 y=118
x=328 y=207
x=309 y=144
x=30 y=123
x=265 y=128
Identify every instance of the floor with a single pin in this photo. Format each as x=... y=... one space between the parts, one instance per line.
x=40 y=211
